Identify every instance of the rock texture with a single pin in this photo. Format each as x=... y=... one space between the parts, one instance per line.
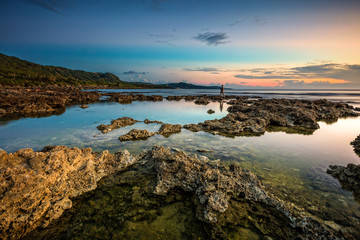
x=349 y=177
x=253 y=118
x=136 y=134
x=210 y=111
x=129 y=98
x=215 y=185
x=116 y=123
x=168 y=129
x=147 y=121
x=356 y=145
x=202 y=101
x=42 y=101
x=36 y=187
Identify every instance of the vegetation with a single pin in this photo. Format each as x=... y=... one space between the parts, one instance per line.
x=17 y=72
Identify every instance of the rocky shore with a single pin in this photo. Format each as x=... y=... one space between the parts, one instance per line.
x=253 y=118
x=37 y=187
x=356 y=145
x=41 y=101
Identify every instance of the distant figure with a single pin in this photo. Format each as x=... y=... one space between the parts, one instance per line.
x=222 y=91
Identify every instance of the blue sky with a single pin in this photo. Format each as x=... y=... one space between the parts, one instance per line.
x=247 y=43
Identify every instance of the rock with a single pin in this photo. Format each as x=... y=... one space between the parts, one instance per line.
x=147 y=121
x=210 y=111
x=297 y=116
x=117 y=123
x=37 y=187
x=204 y=150
x=135 y=135
x=2 y=112
x=202 y=101
x=356 y=145
x=333 y=225
x=168 y=129
x=42 y=101
x=84 y=106
x=174 y=98
x=349 y=177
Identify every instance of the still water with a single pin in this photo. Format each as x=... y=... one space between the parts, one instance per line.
x=293 y=166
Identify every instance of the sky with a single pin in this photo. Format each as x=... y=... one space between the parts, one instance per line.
x=247 y=44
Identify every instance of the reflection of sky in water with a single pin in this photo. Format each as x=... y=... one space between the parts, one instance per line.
x=283 y=160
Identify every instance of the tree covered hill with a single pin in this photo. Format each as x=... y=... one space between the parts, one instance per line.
x=17 y=72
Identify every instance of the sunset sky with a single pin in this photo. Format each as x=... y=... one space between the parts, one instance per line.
x=240 y=43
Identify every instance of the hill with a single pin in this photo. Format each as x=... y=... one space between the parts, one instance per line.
x=183 y=85
x=18 y=72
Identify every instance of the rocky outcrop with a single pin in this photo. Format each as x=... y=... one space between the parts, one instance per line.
x=136 y=134
x=36 y=187
x=356 y=145
x=210 y=111
x=116 y=123
x=246 y=118
x=147 y=121
x=215 y=186
x=168 y=129
x=202 y=101
x=349 y=177
x=129 y=98
x=84 y=106
x=42 y=101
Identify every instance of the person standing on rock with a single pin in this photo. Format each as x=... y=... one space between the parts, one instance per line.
x=222 y=91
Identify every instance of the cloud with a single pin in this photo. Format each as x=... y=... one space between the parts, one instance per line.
x=55 y=6
x=164 y=38
x=212 y=38
x=205 y=69
x=131 y=72
x=261 y=77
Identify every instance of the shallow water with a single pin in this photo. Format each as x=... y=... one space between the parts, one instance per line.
x=291 y=165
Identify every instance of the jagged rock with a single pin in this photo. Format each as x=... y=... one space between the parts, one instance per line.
x=356 y=145
x=168 y=129
x=215 y=186
x=202 y=101
x=84 y=106
x=116 y=123
x=147 y=121
x=349 y=177
x=36 y=187
x=254 y=118
x=135 y=135
x=210 y=111
x=193 y=127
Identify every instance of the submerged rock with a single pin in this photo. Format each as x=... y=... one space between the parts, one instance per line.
x=210 y=111
x=116 y=123
x=135 y=135
x=356 y=145
x=349 y=177
x=84 y=106
x=36 y=187
x=168 y=129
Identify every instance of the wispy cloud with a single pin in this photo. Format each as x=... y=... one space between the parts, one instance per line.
x=164 y=38
x=131 y=72
x=55 y=6
x=212 y=38
x=205 y=69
